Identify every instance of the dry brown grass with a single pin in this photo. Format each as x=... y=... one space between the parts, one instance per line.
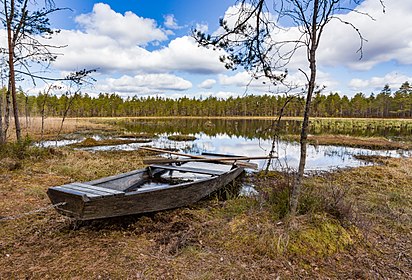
x=235 y=239
x=52 y=127
x=376 y=143
x=90 y=142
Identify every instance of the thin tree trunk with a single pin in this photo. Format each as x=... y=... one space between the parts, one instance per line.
x=27 y=114
x=305 y=125
x=2 y=138
x=43 y=114
x=276 y=133
x=7 y=114
x=12 y=77
x=13 y=94
x=66 y=111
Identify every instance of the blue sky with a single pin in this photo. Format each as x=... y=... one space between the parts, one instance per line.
x=144 y=48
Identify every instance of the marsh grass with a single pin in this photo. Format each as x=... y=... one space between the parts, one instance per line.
x=374 y=143
x=90 y=142
x=32 y=128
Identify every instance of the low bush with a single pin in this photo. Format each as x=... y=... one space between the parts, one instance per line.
x=22 y=149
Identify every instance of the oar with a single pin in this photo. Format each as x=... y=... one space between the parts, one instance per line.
x=217 y=159
x=170 y=152
x=227 y=160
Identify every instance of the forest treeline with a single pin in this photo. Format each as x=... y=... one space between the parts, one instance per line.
x=385 y=104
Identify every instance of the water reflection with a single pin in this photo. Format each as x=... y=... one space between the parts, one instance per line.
x=251 y=128
x=319 y=157
x=253 y=138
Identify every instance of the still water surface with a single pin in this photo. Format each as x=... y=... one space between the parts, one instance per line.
x=319 y=157
x=252 y=138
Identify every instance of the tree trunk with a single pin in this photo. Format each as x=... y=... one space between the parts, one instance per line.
x=305 y=125
x=2 y=138
x=12 y=74
x=43 y=114
x=7 y=114
x=66 y=111
x=27 y=113
x=12 y=90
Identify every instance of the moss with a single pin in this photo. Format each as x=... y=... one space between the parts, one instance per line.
x=321 y=238
x=88 y=142
x=253 y=235
x=236 y=207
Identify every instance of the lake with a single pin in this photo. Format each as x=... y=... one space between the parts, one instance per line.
x=253 y=138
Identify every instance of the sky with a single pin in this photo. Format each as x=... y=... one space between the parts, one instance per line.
x=144 y=48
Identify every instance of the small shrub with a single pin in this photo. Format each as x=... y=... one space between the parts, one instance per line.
x=275 y=191
x=22 y=150
x=326 y=194
x=278 y=200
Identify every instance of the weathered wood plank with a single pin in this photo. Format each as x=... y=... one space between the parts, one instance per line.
x=100 y=189
x=88 y=192
x=115 y=177
x=188 y=169
x=74 y=191
x=149 y=189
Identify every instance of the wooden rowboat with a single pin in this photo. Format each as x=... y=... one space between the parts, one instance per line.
x=154 y=188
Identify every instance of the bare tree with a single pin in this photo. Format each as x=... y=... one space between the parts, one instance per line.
x=73 y=79
x=250 y=41
x=25 y=30
x=44 y=99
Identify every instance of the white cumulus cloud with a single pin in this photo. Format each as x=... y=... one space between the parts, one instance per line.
x=127 y=29
x=144 y=84
x=393 y=79
x=171 y=22
x=387 y=37
x=202 y=27
x=207 y=84
x=88 y=50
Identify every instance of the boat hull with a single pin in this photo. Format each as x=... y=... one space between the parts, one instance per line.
x=83 y=207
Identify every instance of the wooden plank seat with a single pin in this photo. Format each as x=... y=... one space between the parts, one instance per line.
x=188 y=169
x=87 y=190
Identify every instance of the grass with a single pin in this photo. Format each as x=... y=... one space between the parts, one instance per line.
x=353 y=223
x=238 y=238
x=32 y=127
x=90 y=142
x=375 y=143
